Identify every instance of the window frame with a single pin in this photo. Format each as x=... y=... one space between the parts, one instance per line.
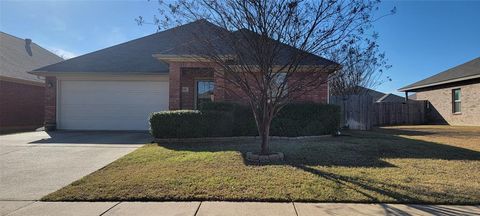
x=195 y=96
x=457 y=101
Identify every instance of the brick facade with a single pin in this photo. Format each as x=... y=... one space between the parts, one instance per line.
x=182 y=84
x=189 y=76
x=440 y=98
x=183 y=76
x=22 y=106
x=50 y=103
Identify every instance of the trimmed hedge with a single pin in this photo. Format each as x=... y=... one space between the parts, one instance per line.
x=229 y=119
x=168 y=124
x=190 y=124
x=306 y=119
x=243 y=120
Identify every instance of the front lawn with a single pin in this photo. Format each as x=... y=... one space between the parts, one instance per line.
x=415 y=164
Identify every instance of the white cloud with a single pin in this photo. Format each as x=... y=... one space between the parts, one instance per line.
x=114 y=37
x=62 y=53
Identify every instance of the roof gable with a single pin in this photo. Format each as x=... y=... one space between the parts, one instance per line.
x=136 y=56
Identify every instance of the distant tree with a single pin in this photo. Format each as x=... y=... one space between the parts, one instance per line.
x=363 y=67
x=257 y=60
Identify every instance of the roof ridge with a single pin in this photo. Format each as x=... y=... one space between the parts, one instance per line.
x=8 y=34
x=32 y=42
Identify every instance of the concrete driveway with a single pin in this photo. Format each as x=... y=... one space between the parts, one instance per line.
x=35 y=164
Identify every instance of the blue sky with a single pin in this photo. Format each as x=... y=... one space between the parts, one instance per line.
x=422 y=39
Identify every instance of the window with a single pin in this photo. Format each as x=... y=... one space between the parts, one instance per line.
x=204 y=92
x=456 y=101
x=277 y=81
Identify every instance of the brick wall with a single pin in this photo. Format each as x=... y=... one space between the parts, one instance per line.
x=50 y=103
x=316 y=94
x=189 y=77
x=21 y=106
x=184 y=74
x=440 y=99
x=313 y=93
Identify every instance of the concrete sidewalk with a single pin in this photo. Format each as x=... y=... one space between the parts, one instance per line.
x=32 y=208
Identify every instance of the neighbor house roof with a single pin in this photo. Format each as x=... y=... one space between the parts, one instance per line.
x=390 y=98
x=375 y=95
x=136 y=56
x=466 y=71
x=19 y=56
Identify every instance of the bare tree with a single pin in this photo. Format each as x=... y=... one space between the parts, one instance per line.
x=267 y=50
x=363 y=67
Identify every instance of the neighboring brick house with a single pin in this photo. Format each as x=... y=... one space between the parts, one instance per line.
x=454 y=94
x=118 y=87
x=21 y=93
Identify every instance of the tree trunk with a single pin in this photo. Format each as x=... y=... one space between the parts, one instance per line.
x=344 y=100
x=265 y=135
x=263 y=120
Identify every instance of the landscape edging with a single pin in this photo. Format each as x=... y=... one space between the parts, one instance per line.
x=238 y=138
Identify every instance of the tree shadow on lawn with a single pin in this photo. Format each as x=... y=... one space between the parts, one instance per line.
x=400 y=193
x=405 y=132
x=360 y=149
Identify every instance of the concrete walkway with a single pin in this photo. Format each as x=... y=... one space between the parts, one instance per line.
x=31 y=208
x=34 y=164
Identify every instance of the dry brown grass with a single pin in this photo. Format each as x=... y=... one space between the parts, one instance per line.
x=408 y=164
x=460 y=136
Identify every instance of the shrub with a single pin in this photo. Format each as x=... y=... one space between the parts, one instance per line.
x=306 y=119
x=242 y=117
x=229 y=119
x=179 y=124
x=218 y=123
x=190 y=124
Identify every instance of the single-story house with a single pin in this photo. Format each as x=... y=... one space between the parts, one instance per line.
x=454 y=94
x=21 y=93
x=117 y=88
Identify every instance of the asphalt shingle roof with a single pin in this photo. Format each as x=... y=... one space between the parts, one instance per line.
x=136 y=56
x=463 y=71
x=391 y=98
x=17 y=58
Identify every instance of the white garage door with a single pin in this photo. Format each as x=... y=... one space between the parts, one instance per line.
x=109 y=105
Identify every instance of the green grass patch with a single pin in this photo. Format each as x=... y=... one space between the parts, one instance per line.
x=395 y=165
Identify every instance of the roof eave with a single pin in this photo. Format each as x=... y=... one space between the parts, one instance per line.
x=406 y=88
x=57 y=73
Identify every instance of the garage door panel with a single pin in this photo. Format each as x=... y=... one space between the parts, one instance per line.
x=86 y=124
x=110 y=105
x=93 y=98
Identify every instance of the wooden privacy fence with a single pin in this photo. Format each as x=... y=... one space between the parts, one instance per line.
x=398 y=113
x=361 y=112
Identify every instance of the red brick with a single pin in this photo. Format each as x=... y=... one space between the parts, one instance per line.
x=50 y=103
x=22 y=106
